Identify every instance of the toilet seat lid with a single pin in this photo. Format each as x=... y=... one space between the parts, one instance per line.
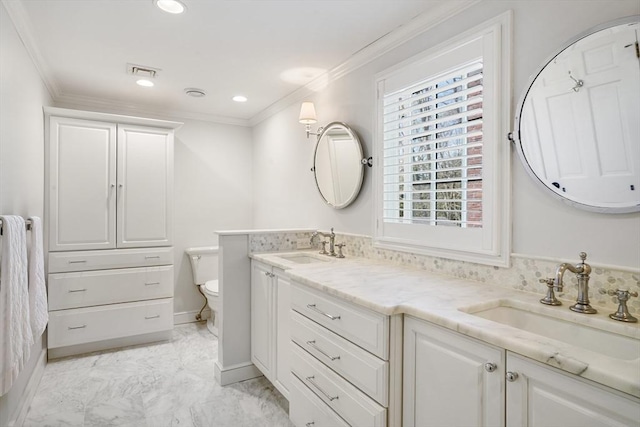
x=211 y=286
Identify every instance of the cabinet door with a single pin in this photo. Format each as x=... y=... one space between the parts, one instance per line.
x=82 y=172
x=262 y=320
x=445 y=380
x=544 y=396
x=145 y=186
x=283 y=334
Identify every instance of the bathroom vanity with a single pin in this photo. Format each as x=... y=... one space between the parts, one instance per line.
x=375 y=343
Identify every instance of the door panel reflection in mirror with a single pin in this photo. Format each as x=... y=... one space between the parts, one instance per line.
x=337 y=165
x=578 y=126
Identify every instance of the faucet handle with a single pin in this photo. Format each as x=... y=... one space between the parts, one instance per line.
x=622 y=294
x=550 y=298
x=622 y=314
x=583 y=256
x=340 y=246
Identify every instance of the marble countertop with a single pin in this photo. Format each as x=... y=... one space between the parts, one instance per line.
x=393 y=289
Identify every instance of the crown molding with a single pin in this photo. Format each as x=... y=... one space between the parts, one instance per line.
x=396 y=37
x=23 y=26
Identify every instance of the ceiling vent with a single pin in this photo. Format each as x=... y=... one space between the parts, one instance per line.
x=195 y=92
x=142 y=71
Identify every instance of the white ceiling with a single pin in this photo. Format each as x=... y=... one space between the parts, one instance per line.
x=226 y=47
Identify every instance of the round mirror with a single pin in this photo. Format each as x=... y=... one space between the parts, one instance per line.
x=578 y=123
x=337 y=165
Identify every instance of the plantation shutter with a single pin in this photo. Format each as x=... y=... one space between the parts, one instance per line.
x=433 y=148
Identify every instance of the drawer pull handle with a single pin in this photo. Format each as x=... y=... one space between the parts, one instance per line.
x=77 y=290
x=313 y=383
x=314 y=308
x=152 y=257
x=313 y=344
x=152 y=317
x=151 y=283
x=77 y=327
x=82 y=261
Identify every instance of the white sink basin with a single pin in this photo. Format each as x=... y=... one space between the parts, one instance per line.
x=302 y=258
x=594 y=334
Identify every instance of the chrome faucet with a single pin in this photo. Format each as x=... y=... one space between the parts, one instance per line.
x=332 y=241
x=582 y=272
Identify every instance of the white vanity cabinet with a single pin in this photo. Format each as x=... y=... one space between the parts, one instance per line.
x=450 y=379
x=270 y=296
x=341 y=358
x=539 y=395
x=109 y=215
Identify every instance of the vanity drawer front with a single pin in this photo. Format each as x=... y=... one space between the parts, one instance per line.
x=306 y=409
x=366 y=328
x=349 y=403
x=83 y=325
x=88 y=288
x=362 y=369
x=61 y=262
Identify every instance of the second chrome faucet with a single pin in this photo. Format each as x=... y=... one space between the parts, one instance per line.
x=582 y=272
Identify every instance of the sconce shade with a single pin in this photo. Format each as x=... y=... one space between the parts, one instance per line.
x=307 y=113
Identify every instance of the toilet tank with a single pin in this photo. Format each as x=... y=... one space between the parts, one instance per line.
x=204 y=263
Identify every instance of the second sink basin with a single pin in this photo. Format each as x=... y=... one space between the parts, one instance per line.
x=592 y=334
x=302 y=258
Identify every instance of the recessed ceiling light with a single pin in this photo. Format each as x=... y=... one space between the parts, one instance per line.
x=144 y=83
x=240 y=98
x=195 y=92
x=171 y=6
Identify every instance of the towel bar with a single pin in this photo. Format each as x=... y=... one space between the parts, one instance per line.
x=27 y=223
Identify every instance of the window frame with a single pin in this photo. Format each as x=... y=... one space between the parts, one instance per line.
x=490 y=244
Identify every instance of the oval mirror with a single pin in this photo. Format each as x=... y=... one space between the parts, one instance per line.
x=578 y=123
x=337 y=165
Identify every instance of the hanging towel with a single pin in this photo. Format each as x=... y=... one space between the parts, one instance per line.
x=15 y=329
x=38 y=312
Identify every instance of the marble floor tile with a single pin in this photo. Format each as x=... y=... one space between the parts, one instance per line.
x=156 y=385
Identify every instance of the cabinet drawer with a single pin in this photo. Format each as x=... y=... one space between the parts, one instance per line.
x=307 y=410
x=82 y=325
x=87 y=288
x=362 y=369
x=366 y=328
x=61 y=262
x=349 y=403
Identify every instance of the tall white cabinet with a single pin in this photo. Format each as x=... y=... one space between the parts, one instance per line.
x=109 y=207
x=270 y=324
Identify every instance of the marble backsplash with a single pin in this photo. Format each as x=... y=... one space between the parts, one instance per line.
x=524 y=273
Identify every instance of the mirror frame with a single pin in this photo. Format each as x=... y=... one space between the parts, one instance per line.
x=515 y=137
x=356 y=190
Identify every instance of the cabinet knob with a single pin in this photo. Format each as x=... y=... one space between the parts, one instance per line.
x=490 y=367
x=512 y=376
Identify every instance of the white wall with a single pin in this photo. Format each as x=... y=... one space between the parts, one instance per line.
x=285 y=193
x=22 y=96
x=213 y=189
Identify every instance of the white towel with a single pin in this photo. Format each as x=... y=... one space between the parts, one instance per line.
x=15 y=330
x=38 y=312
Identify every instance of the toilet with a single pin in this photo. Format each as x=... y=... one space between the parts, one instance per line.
x=204 y=266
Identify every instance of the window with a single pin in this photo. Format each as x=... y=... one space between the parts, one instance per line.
x=442 y=151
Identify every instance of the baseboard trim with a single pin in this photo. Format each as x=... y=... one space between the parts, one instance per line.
x=112 y=344
x=30 y=390
x=190 y=316
x=236 y=373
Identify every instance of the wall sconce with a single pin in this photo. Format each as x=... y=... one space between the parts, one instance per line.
x=308 y=117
